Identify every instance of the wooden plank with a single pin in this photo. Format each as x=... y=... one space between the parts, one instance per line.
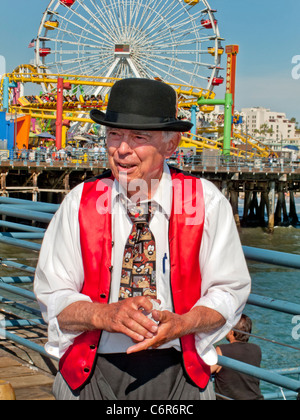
x=27 y=381
x=36 y=393
x=28 y=384
x=8 y=361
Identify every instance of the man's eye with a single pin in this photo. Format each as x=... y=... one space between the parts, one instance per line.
x=113 y=134
x=140 y=138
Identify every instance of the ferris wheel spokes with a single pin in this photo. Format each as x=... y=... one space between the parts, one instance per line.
x=125 y=38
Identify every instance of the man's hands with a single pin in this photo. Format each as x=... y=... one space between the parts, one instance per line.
x=127 y=317
x=172 y=326
x=124 y=317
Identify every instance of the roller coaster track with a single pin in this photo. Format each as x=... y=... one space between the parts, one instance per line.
x=202 y=143
x=187 y=95
x=78 y=111
x=262 y=148
x=255 y=148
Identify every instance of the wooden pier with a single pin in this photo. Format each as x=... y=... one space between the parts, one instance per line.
x=30 y=374
x=262 y=188
x=27 y=383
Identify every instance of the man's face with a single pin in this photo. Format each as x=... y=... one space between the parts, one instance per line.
x=136 y=155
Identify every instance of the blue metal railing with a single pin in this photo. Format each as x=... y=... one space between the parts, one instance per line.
x=44 y=212
x=92 y=158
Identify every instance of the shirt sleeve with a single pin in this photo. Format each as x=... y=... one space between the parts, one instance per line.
x=59 y=274
x=226 y=282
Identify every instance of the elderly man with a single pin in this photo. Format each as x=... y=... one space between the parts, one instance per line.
x=141 y=269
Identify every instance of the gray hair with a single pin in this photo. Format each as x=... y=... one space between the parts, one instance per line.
x=167 y=135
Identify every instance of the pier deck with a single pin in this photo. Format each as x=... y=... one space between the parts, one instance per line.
x=28 y=383
x=30 y=374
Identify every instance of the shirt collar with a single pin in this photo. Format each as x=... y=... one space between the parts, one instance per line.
x=162 y=196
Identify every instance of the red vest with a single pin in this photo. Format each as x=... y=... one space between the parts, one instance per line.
x=76 y=365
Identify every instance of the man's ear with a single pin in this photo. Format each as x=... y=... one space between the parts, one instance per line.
x=172 y=144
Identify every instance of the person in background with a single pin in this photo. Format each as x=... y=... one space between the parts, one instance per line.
x=230 y=383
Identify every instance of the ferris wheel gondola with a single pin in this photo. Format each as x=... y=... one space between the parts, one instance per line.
x=177 y=41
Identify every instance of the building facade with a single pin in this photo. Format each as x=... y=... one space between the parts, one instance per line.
x=273 y=127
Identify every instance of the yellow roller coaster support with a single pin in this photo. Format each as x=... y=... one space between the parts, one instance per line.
x=261 y=148
x=204 y=143
x=187 y=95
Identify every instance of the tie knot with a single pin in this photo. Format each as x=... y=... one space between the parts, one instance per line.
x=139 y=213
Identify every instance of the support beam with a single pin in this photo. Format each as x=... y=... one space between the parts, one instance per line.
x=194 y=119
x=247 y=202
x=271 y=212
x=59 y=112
x=3 y=183
x=227 y=103
x=234 y=197
x=293 y=212
x=225 y=188
x=264 y=203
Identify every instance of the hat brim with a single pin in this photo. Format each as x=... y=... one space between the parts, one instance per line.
x=176 y=125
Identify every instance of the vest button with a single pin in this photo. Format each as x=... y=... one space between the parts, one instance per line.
x=92 y=346
x=86 y=370
x=103 y=295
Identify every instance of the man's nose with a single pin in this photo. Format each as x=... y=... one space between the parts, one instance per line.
x=125 y=145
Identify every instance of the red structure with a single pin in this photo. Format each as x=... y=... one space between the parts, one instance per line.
x=59 y=110
x=206 y=23
x=216 y=81
x=232 y=52
x=67 y=3
x=43 y=52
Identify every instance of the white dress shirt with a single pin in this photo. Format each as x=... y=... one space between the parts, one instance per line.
x=225 y=278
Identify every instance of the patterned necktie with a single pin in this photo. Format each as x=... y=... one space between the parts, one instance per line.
x=139 y=262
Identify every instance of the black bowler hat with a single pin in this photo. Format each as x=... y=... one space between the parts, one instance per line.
x=141 y=104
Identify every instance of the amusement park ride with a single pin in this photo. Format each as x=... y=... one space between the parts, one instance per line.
x=83 y=47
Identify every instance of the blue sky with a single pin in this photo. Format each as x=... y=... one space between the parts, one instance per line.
x=267 y=31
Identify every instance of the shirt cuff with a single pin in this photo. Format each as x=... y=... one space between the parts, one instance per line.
x=222 y=302
x=60 y=340
x=204 y=343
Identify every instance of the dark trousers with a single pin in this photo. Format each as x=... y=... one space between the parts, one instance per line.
x=147 y=375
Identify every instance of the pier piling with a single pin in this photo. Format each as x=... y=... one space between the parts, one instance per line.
x=271 y=210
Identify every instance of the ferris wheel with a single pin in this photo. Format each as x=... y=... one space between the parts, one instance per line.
x=177 y=41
